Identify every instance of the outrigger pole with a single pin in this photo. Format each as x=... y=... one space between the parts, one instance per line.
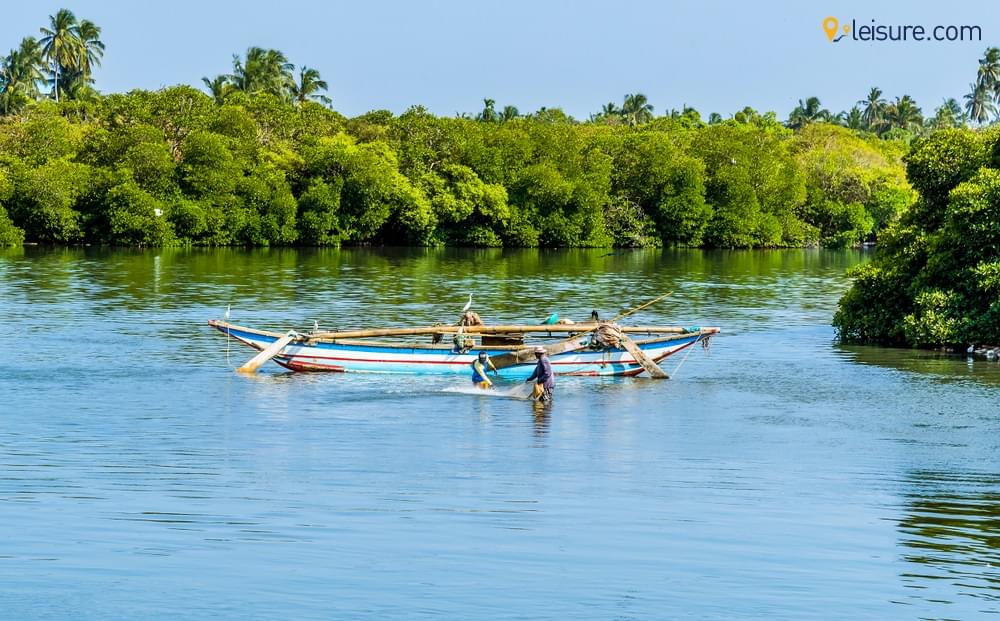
x=271 y=351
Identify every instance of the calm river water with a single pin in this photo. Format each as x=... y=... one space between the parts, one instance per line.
x=777 y=476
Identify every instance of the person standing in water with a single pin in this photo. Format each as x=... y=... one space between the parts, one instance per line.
x=479 y=369
x=545 y=381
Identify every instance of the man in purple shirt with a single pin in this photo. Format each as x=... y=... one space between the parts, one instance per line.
x=545 y=381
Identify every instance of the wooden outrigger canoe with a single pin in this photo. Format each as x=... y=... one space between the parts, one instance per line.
x=571 y=348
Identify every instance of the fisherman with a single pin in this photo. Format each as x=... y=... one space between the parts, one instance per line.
x=544 y=380
x=479 y=371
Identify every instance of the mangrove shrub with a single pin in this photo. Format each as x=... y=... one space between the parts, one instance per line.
x=935 y=279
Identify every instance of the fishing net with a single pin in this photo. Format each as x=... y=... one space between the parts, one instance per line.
x=470 y=318
x=607 y=336
x=518 y=391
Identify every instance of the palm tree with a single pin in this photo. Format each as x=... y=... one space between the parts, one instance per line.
x=852 y=119
x=489 y=113
x=989 y=72
x=509 y=113
x=905 y=114
x=61 y=45
x=92 y=48
x=636 y=109
x=955 y=109
x=956 y=112
x=714 y=118
x=873 y=109
x=308 y=86
x=23 y=68
x=20 y=72
x=948 y=114
x=809 y=111
x=263 y=71
x=218 y=87
x=610 y=114
x=979 y=104
x=77 y=80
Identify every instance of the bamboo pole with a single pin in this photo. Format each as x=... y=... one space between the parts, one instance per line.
x=592 y=327
x=640 y=356
x=524 y=355
x=580 y=328
x=642 y=306
x=269 y=352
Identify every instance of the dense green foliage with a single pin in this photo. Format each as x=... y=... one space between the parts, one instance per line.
x=258 y=161
x=935 y=279
x=178 y=166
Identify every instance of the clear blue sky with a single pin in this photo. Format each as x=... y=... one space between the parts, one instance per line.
x=448 y=55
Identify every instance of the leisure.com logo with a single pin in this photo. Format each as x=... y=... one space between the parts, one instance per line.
x=849 y=30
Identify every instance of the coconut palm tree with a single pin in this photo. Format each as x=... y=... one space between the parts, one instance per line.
x=979 y=104
x=808 y=111
x=91 y=48
x=489 y=113
x=61 y=45
x=852 y=119
x=24 y=68
x=948 y=114
x=20 y=73
x=873 y=109
x=610 y=114
x=636 y=109
x=308 y=86
x=509 y=113
x=955 y=109
x=262 y=71
x=714 y=118
x=905 y=114
x=218 y=87
x=988 y=75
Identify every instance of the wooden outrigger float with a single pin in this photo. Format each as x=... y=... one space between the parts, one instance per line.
x=595 y=348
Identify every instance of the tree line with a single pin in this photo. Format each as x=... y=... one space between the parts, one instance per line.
x=177 y=166
x=262 y=159
x=903 y=118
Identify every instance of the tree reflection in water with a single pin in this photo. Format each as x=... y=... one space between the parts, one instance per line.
x=951 y=537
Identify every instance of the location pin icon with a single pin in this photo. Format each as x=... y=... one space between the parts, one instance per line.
x=830 y=26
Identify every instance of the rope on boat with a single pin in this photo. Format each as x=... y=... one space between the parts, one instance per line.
x=705 y=340
x=470 y=318
x=228 y=335
x=607 y=335
x=464 y=343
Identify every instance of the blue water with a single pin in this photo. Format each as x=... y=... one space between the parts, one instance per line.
x=776 y=476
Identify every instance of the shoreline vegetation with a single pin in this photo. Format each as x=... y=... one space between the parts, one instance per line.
x=935 y=278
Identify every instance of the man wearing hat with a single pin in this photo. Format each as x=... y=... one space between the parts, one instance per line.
x=544 y=380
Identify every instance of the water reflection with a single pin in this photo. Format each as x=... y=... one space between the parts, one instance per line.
x=946 y=368
x=951 y=534
x=542 y=412
x=335 y=285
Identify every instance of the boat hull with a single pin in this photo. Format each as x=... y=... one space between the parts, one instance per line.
x=442 y=360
